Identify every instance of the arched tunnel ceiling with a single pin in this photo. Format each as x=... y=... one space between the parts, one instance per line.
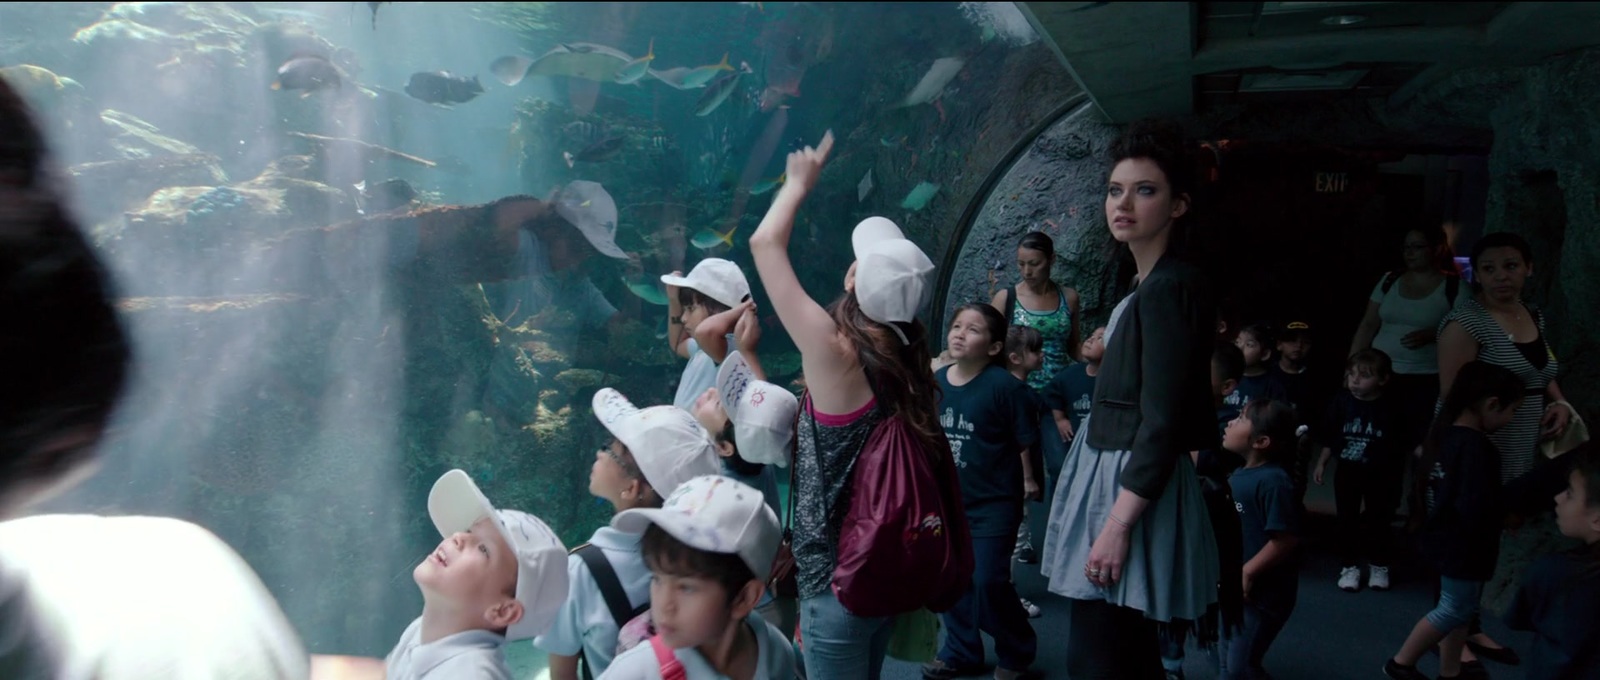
x=1138 y=59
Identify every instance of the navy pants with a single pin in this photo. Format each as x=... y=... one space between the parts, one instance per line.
x=989 y=606
x=1264 y=617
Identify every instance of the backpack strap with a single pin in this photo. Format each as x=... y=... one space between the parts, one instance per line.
x=1389 y=279
x=1452 y=286
x=605 y=576
x=671 y=668
x=1011 y=302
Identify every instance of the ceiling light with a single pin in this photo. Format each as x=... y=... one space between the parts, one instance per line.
x=1343 y=19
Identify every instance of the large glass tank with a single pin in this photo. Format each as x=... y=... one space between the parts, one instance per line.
x=360 y=244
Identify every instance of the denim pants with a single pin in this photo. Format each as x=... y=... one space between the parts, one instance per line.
x=990 y=605
x=1458 y=604
x=1264 y=617
x=1054 y=452
x=838 y=645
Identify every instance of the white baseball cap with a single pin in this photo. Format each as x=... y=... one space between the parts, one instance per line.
x=894 y=279
x=717 y=278
x=715 y=514
x=667 y=443
x=455 y=504
x=763 y=414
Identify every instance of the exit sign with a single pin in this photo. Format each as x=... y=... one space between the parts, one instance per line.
x=1332 y=182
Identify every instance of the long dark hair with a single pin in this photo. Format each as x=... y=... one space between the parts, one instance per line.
x=66 y=352
x=1161 y=142
x=898 y=371
x=993 y=321
x=1474 y=383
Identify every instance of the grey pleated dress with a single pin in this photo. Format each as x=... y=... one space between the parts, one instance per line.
x=1171 y=570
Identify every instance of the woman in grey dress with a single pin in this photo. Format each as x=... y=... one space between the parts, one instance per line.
x=1129 y=538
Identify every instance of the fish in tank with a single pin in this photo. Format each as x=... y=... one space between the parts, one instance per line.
x=354 y=253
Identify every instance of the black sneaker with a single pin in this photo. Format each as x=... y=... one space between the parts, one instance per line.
x=1399 y=672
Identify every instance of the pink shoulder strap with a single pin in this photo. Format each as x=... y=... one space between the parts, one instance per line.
x=671 y=669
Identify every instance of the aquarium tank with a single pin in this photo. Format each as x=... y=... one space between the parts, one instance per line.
x=361 y=244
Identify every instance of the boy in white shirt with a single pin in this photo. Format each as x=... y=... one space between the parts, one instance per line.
x=496 y=577
x=710 y=550
x=702 y=309
x=653 y=451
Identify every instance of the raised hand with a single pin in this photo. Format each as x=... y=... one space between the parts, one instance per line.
x=805 y=165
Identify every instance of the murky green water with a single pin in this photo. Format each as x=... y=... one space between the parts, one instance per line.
x=305 y=205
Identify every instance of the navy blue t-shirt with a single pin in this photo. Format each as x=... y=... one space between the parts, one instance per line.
x=1267 y=385
x=1462 y=533
x=1305 y=390
x=1366 y=432
x=989 y=421
x=1557 y=601
x=1071 y=391
x=1265 y=498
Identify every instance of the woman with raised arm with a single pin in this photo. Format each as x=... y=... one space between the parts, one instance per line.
x=865 y=358
x=1129 y=540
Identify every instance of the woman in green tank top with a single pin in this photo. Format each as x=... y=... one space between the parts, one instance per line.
x=1037 y=302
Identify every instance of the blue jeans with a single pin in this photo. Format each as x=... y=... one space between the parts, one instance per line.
x=1054 y=452
x=838 y=645
x=990 y=605
x=1264 y=618
x=1458 y=604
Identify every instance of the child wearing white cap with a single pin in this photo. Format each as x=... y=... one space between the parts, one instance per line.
x=496 y=577
x=702 y=309
x=652 y=452
x=752 y=423
x=865 y=360
x=710 y=549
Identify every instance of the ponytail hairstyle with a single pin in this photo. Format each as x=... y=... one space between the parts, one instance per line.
x=1274 y=419
x=993 y=322
x=1021 y=340
x=1475 y=384
x=896 y=370
x=1041 y=242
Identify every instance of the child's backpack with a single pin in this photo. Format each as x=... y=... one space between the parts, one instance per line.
x=630 y=620
x=1452 y=285
x=905 y=543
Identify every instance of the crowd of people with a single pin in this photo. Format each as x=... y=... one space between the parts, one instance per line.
x=1162 y=461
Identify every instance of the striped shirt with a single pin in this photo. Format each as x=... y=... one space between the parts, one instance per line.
x=1519 y=441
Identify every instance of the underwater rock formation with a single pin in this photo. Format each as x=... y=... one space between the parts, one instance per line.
x=108 y=188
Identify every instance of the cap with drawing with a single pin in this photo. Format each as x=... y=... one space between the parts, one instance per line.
x=717 y=279
x=587 y=206
x=894 y=278
x=667 y=443
x=715 y=514
x=455 y=504
x=763 y=414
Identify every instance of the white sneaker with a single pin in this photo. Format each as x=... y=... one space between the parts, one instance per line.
x=1377 y=578
x=1350 y=579
x=1033 y=610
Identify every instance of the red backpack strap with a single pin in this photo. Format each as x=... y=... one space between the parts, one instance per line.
x=671 y=668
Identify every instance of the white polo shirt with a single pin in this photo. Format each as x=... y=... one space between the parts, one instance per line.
x=584 y=623
x=774 y=660
x=469 y=655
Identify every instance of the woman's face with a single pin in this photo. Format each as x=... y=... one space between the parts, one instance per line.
x=1140 y=206
x=1035 y=265
x=1418 y=252
x=1502 y=272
